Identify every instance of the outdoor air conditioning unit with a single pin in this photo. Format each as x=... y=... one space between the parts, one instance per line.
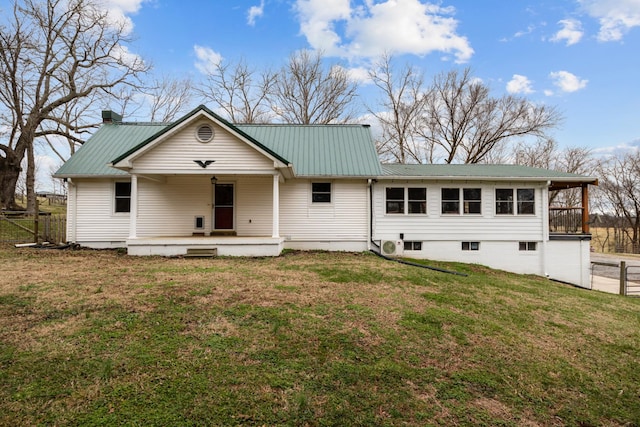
x=392 y=247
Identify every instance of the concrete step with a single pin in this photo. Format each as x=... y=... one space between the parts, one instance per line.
x=201 y=252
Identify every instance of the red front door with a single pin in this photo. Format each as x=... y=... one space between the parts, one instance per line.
x=223 y=207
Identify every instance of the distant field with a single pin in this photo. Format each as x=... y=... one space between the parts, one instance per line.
x=604 y=240
x=317 y=339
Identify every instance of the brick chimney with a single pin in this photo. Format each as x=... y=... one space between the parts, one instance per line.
x=109 y=116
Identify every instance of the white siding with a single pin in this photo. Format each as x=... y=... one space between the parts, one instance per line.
x=179 y=151
x=435 y=226
x=342 y=220
x=569 y=261
x=169 y=208
x=95 y=217
x=254 y=206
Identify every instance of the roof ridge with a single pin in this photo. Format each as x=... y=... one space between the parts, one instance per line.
x=138 y=124
x=302 y=124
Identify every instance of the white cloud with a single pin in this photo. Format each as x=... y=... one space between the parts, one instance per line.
x=616 y=17
x=120 y=9
x=207 y=59
x=571 y=32
x=373 y=28
x=318 y=19
x=122 y=54
x=255 y=12
x=567 y=82
x=519 y=84
x=359 y=74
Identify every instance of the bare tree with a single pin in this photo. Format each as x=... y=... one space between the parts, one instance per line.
x=54 y=53
x=241 y=92
x=541 y=154
x=620 y=187
x=168 y=97
x=402 y=103
x=305 y=91
x=467 y=123
x=545 y=153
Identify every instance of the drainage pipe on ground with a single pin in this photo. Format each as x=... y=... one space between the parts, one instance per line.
x=376 y=247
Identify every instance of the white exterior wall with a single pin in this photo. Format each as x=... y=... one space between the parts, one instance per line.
x=442 y=234
x=96 y=224
x=435 y=226
x=502 y=255
x=569 y=261
x=339 y=225
x=254 y=201
x=169 y=208
x=178 y=152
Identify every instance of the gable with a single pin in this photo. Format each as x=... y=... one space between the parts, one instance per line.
x=178 y=152
x=200 y=115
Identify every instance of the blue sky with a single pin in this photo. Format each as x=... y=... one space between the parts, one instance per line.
x=582 y=56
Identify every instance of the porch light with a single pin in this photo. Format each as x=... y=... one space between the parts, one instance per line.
x=214 y=180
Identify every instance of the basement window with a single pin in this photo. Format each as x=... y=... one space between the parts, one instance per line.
x=412 y=246
x=470 y=246
x=527 y=246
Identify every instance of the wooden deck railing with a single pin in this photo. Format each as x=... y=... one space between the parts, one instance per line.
x=567 y=220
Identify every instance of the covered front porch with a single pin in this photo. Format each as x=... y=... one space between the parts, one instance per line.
x=222 y=214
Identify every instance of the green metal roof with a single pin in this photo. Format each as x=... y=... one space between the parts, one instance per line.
x=314 y=150
x=321 y=150
x=501 y=172
x=110 y=141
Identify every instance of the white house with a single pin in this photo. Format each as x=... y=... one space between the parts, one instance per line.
x=202 y=184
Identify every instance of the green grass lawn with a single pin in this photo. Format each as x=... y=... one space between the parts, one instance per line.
x=100 y=338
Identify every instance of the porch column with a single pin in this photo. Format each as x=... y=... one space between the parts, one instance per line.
x=276 y=206
x=133 y=210
x=585 y=208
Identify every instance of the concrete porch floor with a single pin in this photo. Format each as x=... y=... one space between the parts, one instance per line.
x=225 y=245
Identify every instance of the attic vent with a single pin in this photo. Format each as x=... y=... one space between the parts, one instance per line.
x=204 y=133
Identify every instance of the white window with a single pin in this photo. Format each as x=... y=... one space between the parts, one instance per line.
x=524 y=201
x=470 y=246
x=527 y=246
x=411 y=200
x=471 y=200
x=122 y=197
x=412 y=246
x=321 y=192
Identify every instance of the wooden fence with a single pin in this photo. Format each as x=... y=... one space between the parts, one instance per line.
x=16 y=227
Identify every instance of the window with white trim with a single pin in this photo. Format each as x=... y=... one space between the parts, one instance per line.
x=321 y=192
x=527 y=246
x=412 y=245
x=411 y=200
x=470 y=246
x=122 y=202
x=471 y=200
x=524 y=201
